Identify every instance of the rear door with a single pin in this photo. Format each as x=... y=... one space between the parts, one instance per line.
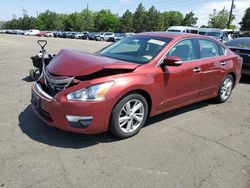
x=212 y=66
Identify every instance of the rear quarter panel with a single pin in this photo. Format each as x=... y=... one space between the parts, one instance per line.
x=236 y=62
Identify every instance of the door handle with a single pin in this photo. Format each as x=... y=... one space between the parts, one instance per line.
x=223 y=63
x=197 y=69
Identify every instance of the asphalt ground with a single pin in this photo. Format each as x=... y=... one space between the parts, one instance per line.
x=201 y=145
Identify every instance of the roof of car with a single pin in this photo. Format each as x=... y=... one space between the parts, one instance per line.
x=169 y=34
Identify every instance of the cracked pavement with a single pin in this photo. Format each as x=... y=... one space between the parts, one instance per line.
x=201 y=145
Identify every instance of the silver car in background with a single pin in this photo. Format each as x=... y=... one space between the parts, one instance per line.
x=215 y=33
x=104 y=36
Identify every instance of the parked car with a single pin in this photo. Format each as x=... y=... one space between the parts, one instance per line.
x=49 y=34
x=129 y=34
x=70 y=35
x=138 y=77
x=2 y=31
x=241 y=46
x=57 y=34
x=104 y=36
x=66 y=34
x=216 y=33
x=183 y=29
x=78 y=35
x=41 y=34
x=45 y=34
x=107 y=36
x=118 y=36
x=244 y=34
x=32 y=32
x=97 y=36
x=63 y=34
x=10 y=31
x=85 y=35
x=91 y=36
x=73 y=35
x=18 y=32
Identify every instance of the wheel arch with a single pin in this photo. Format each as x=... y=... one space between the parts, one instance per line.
x=146 y=95
x=234 y=77
x=142 y=92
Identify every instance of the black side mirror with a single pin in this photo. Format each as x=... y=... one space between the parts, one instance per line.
x=171 y=61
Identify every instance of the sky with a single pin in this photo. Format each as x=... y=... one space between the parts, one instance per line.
x=201 y=8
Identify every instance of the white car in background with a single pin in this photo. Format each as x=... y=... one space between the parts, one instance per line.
x=105 y=36
x=215 y=33
x=32 y=32
x=183 y=29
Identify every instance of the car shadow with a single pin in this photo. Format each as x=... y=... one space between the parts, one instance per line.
x=37 y=130
x=178 y=111
x=245 y=79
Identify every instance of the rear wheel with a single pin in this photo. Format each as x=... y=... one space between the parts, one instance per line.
x=128 y=116
x=225 y=89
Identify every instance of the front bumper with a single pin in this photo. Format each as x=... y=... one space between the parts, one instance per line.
x=62 y=113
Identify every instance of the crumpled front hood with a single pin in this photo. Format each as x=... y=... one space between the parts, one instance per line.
x=74 y=63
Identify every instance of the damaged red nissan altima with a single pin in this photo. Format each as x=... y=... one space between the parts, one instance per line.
x=143 y=75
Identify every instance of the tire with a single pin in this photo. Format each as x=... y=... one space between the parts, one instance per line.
x=32 y=74
x=225 y=90
x=123 y=123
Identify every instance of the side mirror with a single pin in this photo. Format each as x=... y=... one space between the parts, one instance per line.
x=172 y=61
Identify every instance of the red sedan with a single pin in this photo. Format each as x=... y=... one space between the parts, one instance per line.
x=41 y=34
x=140 y=76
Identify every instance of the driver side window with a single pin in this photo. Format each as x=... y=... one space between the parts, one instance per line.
x=184 y=49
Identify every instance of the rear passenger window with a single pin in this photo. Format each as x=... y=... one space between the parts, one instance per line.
x=208 y=48
x=185 y=49
x=222 y=50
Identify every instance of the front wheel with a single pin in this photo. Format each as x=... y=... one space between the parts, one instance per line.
x=128 y=116
x=225 y=89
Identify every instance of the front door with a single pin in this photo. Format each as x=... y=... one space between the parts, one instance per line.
x=178 y=85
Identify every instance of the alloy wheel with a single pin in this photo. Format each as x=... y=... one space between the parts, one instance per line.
x=226 y=88
x=131 y=115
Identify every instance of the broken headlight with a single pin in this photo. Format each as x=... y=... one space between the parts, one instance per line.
x=93 y=93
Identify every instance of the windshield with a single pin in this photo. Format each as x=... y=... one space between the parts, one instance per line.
x=213 y=34
x=136 y=49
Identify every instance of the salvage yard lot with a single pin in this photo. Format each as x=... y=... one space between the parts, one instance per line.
x=202 y=145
